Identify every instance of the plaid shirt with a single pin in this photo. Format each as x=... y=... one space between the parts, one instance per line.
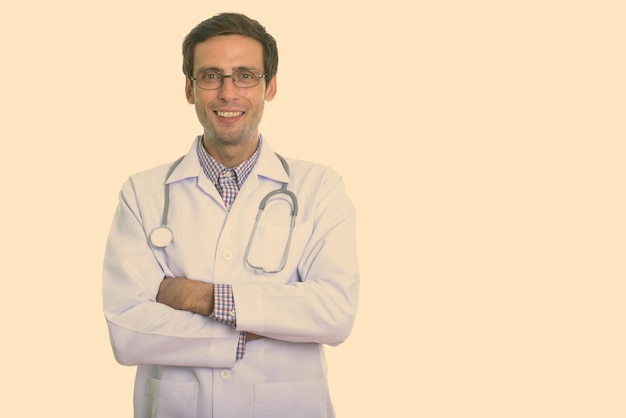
x=227 y=181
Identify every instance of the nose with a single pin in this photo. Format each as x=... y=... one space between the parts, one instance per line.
x=228 y=91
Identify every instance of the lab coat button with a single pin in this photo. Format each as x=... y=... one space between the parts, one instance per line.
x=233 y=313
x=226 y=374
x=227 y=255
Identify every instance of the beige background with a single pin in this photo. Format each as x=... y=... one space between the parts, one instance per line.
x=482 y=143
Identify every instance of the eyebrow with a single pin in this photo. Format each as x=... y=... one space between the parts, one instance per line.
x=220 y=70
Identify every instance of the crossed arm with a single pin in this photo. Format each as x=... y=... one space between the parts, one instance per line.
x=190 y=295
x=187 y=295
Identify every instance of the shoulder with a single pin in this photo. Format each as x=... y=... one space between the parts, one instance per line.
x=182 y=167
x=310 y=170
x=313 y=180
x=148 y=181
x=150 y=175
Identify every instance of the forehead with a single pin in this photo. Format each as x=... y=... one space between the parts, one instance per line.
x=227 y=52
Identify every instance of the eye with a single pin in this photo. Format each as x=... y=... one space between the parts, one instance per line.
x=209 y=76
x=246 y=75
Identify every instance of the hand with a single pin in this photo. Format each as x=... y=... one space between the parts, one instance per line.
x=250 y=336
x=186 y=295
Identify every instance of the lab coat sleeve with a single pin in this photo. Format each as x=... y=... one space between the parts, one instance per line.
x=321 y=306
x=143 y=331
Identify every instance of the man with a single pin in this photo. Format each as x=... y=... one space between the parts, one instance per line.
x=224 y=317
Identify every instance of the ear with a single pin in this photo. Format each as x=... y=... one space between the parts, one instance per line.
x=270 y=91
x=191 y=98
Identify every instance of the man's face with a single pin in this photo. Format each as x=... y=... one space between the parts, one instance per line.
x=230 y=115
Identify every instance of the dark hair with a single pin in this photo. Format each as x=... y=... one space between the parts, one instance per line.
x=231 y=24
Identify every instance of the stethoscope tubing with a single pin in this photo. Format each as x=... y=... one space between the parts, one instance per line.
x=162 y=236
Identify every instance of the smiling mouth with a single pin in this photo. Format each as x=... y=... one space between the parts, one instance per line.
x=228 y=114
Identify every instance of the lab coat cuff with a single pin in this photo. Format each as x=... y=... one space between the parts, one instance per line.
x=250 y=315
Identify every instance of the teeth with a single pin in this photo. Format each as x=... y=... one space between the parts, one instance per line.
x=229 y=114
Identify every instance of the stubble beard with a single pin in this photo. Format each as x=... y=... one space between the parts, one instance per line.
x=230 y=138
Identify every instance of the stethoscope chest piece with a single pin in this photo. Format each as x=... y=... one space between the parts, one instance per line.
x=161 y=237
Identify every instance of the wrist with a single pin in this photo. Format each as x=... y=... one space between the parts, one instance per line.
x=201 y=298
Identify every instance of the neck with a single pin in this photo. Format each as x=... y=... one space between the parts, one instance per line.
x=230 y=155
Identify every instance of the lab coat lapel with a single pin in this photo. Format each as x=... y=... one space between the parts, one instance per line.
x=268 y=169
x=190 y=167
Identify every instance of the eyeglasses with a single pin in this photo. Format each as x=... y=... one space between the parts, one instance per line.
x=212 y=80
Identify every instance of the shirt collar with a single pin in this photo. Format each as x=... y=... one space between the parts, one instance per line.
x=213 y=168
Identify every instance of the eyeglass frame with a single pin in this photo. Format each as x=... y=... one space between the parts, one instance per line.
x=223 y=76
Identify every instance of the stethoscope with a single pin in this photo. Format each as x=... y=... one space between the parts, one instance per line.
x=162 y=236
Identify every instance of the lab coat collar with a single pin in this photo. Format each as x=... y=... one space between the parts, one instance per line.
x=268 y=165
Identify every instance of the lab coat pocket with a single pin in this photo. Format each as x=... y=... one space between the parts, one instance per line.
x=171 y=399
x=307 y=399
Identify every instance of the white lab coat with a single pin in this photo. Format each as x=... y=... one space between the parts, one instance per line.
x=186 y=362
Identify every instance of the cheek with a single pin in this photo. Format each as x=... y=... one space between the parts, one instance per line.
x=258 y=101
x=200 y=103
x=201 y=111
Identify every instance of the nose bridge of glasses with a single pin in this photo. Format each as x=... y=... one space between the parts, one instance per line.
x=223 y=77
x=224 y=85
